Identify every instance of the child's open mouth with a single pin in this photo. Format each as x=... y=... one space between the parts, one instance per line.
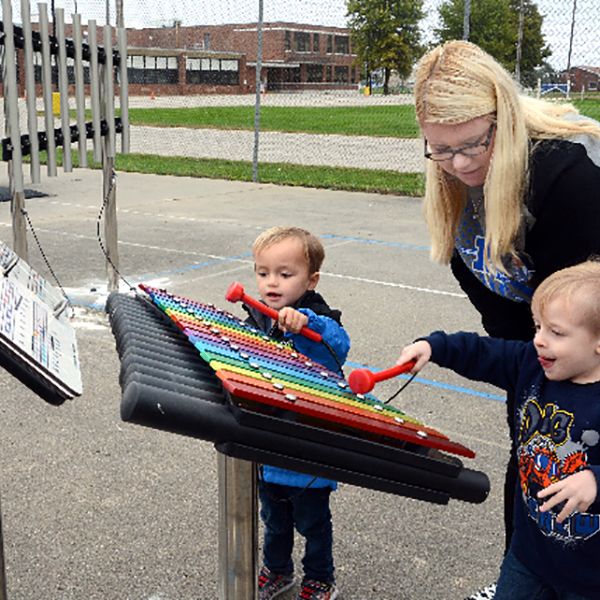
x=546 y=362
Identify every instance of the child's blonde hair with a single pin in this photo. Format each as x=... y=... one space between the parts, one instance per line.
x=455 y=83
x=581 y=282
x=314 y=253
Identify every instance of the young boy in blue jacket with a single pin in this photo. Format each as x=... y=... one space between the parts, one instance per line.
x=555 y=549
x=287 y=261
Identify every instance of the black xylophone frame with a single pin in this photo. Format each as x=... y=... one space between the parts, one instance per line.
x=166 y=385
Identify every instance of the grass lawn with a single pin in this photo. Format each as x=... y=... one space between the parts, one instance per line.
x=358 y=180
x=392 y=121
x=589 y=108
x=389 y=121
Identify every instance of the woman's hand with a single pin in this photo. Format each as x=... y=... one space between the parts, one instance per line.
x=291 y=320
x=577 y=491
x=418 y=351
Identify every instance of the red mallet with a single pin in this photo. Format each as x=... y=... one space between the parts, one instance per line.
x=235 y=293
x=362 y=380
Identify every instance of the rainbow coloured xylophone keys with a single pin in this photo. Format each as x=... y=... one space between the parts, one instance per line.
x=259 y=372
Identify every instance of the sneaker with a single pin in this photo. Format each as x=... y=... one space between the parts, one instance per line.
x=271 y=585
x=317 y=590
x=487 y=593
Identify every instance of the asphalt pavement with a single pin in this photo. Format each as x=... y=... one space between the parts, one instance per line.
x=97 y=509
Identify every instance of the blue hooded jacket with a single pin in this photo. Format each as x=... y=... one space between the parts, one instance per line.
x=327 y=322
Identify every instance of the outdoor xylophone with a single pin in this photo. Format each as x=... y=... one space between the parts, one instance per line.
x=197 y=370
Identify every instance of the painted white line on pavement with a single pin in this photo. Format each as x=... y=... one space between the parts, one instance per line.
x=396 y=285
x=246 y=261
x=209 y=275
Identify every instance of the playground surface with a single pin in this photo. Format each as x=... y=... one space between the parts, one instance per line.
x=97 y=509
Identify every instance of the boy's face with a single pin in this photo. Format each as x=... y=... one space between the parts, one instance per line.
x=282 y=273
x=566 y=348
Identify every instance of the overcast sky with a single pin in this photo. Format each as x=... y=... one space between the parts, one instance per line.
x=148 y=13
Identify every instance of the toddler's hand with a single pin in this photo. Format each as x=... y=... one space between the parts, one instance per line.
x=577 y=491
x=419 y=351
x=291 y=320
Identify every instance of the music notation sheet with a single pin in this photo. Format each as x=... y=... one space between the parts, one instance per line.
x=37 y=340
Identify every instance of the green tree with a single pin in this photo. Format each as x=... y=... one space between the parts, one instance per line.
x=534 y=50
x=494 y=26
x=385 y=35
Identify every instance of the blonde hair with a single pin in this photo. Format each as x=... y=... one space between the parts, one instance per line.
x=580 y=283
x=455 y=83
x=314 y=253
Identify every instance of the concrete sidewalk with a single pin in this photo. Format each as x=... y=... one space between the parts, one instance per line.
x=97 y=509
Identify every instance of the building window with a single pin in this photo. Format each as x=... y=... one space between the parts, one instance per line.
x=342 y=44
x=592 y=86
x=329 y=44
x=288 y=40
x=152 y=69
x=314 y=73
x=207 y=41
x=316 y=45
x=37 y=67
x=294 y=75
x=213 y=71
x=229 y=65
x=341 y=74
x=302 y=40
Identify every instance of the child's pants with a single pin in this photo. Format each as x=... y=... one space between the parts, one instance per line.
x=282 y=508
x=517 y=582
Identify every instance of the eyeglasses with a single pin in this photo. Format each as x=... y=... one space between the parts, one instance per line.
x=473 y=149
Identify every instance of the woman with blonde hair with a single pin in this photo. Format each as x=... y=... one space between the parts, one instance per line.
x=512 y=190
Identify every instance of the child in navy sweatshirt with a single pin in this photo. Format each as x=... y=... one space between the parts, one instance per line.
x=555 y=549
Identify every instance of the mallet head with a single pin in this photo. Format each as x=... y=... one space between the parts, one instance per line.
x=361 y=381
x=235 y=292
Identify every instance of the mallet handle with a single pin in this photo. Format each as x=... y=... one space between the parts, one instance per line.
x=236 y=292
x=362 y=380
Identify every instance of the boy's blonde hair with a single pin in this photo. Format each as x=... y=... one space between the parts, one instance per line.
x=581 y=282
x=455 y=83
x=314 y=253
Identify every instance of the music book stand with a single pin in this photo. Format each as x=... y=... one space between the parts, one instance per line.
x=37 y=341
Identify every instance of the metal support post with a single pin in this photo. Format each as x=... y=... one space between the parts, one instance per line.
x=3 y=595
x=238 y=529
x=108 y=166
x=15 y=165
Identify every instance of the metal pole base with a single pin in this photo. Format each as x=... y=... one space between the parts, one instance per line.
x=238 y=529
x=3 y=595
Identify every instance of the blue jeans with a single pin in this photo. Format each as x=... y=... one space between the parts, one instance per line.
x=282 y=508
x=517 y=582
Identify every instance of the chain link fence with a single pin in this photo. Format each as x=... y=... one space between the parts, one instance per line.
x=195 y=92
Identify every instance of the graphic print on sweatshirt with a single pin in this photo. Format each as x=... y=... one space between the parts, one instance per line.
x=546 y=454
x=470 y=242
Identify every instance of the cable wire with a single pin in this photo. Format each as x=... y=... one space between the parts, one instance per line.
x=403 y=386
x=113 y=181
x=43 y=254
